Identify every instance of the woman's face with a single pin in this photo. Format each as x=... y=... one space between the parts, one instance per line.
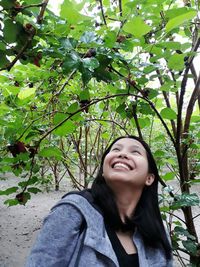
x=127 y=162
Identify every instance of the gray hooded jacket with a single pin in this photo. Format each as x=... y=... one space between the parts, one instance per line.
x=61 y=243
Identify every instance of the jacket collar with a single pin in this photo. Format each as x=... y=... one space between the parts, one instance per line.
x=96 y=236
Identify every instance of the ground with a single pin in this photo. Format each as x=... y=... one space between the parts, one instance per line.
x=19 y=225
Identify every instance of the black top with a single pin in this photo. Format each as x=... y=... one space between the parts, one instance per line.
x=124 y=259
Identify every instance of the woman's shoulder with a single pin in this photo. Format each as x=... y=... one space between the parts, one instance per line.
x=82 y=201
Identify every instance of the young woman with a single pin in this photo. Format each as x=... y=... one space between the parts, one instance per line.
x=116 y=223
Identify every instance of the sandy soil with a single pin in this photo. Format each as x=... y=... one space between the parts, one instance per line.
x=19 y=225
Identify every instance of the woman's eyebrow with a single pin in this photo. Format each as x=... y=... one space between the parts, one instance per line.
x=137 y=147
x=119 y=145
x=131 y=147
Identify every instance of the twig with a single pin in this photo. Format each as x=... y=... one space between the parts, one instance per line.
x=41 y=14
x=111 y=122
x=32 y=124
x=194 y=97
x=102 y=12
x=182 y=93
x=67 y=82
x=43 y=6
x=11 y=64
x=195 y=216
x=120 y=8
x=20 y=8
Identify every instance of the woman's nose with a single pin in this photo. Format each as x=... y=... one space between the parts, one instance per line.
x=123 y=155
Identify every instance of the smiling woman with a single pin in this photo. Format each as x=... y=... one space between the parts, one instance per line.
x=127 y=165
x=116 y=223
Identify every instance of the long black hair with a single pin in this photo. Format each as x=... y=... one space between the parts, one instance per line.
x=146 y=218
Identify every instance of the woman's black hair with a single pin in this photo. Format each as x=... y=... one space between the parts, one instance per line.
x=146 y=218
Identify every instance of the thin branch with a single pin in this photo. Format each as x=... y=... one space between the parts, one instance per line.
x=32 y=124
x=41 y=14
x=31 y=33
x=102 y=12
x=111 y=122
x=19 y=55
x=195 y=95
x=172 y=214
x=20 y=8
x=66 y=83
x=195 y=216
x=120 y=8
x=73 y=179
x=106 y=98
x=77 y=143
x=137 y=125
x=166 y=101
x=183 y=89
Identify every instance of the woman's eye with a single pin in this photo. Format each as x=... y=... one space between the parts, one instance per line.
x=115 y=149
x=136 y=152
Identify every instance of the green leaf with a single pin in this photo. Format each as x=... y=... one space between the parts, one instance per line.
x=2 y=46
x=168 y=176
x=190 y=246
x=11 y=30
x=170 y=45
x=137 y=27
x=11 y=89
x=159 y=153
x=8 y=191
x=181 y=231
x=33 y=190
x=144 y=122
x=88 y=37
x=176 y=62
x=110 y=39
x=26 y=92
x=90 y=63
x=168 y=113
x=66 y=128
x=144 y=108
x=30 y=181
x=11 y=202
x=179 y=20
x=7 y=3
x=51 y=152
x=73 y=107
x=71 y=62
x=84 y=95
x=185 y=200
x=66 y=44
x=71 y=12
x=31 y=2
x=59 y=117
x=3 y=59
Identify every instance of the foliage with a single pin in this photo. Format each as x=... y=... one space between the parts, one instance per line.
x=70 y=83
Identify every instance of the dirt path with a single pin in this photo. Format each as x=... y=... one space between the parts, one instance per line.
x=19 y=225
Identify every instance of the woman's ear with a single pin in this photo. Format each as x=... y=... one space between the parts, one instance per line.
x=150 y=179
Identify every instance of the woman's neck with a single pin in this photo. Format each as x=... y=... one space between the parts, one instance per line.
x=127 y=201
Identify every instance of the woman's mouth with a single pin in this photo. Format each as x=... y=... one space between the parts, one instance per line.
x=122 y=165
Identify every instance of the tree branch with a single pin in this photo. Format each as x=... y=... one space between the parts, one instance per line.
x=190 y=107
x=120 y=8
x=111 y=121
x=19 y=55
x=166 y=101
x=182 y=93
x=41 y=14
x=43 y=6
x=102 y=12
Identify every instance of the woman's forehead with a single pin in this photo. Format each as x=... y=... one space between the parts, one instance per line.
x=130 y=142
